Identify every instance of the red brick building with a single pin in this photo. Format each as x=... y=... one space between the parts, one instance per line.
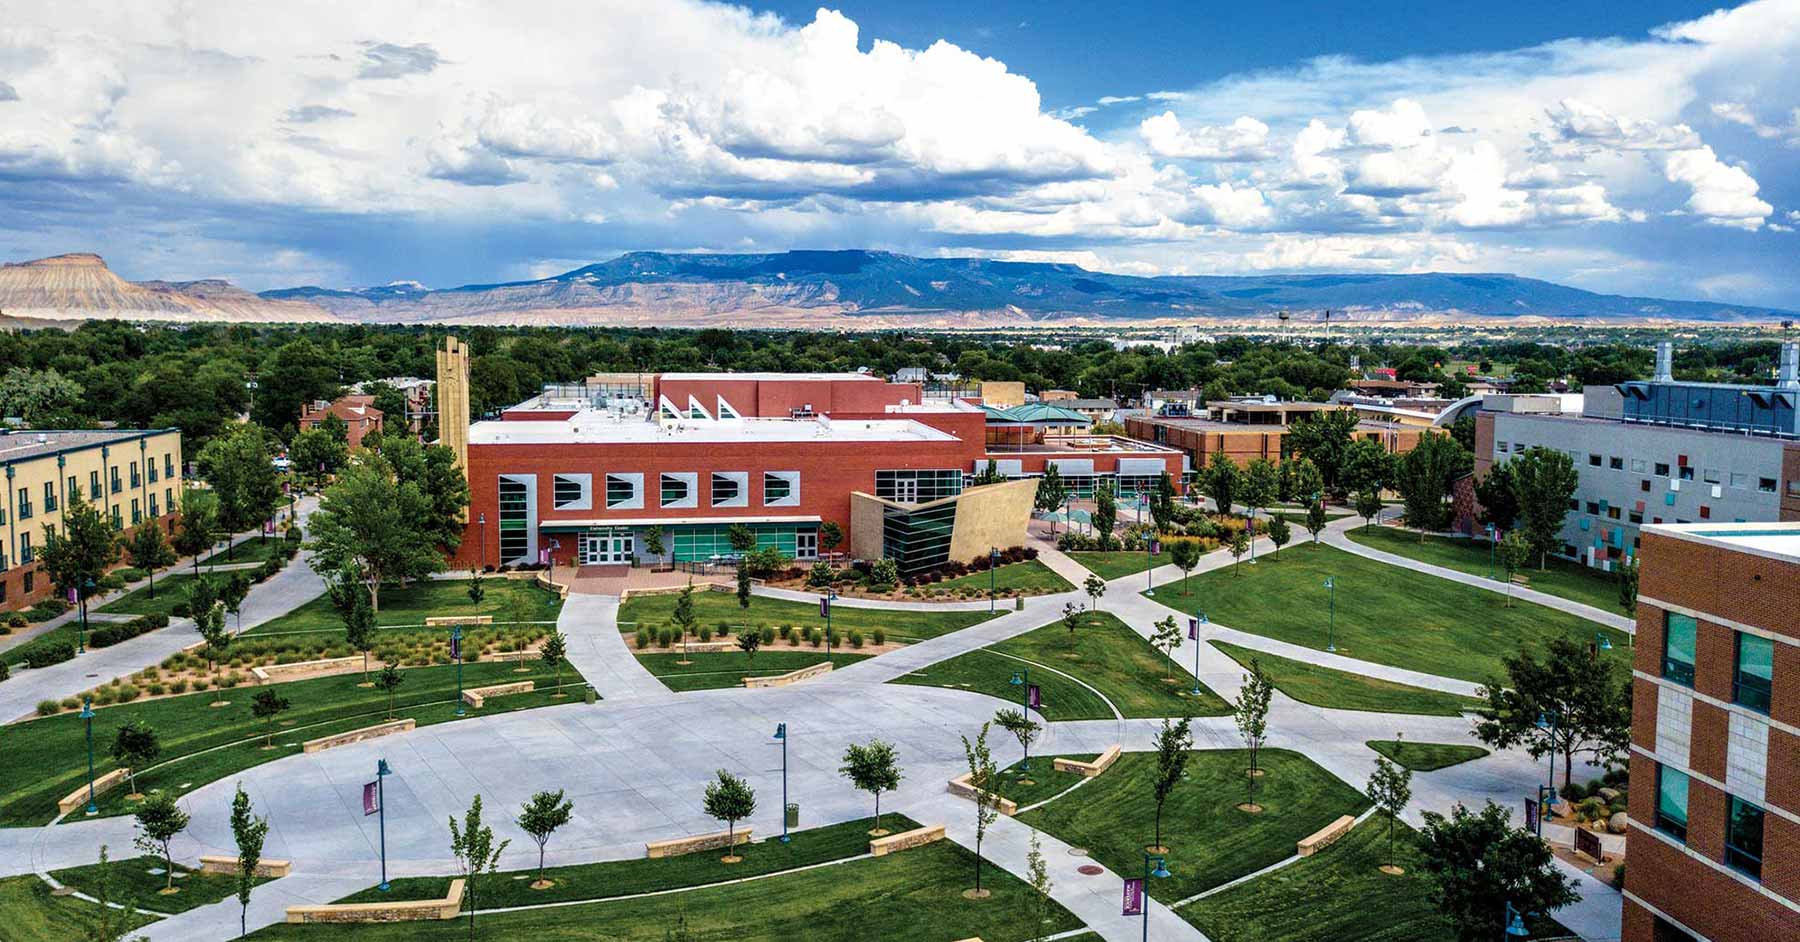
x=358 y=413
x=1714 y=845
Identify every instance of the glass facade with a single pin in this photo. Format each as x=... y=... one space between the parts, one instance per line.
x=918 y=487
x=692 y=543
x=917 y=540
x=620 y=490
x=1744 y=837
x=1754 y=679
x=776 y=488
x=1671 y=802
x=515 y=510
x=1678 y=648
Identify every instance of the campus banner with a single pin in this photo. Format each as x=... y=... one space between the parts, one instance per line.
x=1033 y=698
x=455 y=646
x=1156 y=547
x=1531 y=815
x=1134 y=897
x=824 y=607
x=371 y=798
x=1193 y=629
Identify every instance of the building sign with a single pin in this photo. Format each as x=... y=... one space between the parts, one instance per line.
x=1587 y=842
x=1033 y=698
x=371 y=798
x=1134 y=897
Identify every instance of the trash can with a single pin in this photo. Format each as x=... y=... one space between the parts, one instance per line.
x=793 y=815
x=591 y=695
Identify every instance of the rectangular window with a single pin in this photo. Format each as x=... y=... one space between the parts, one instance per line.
x=1705 y=512
x=116 y=485
x=137 y=514
x=1616 y=463
x=93 y=485
x=1740 y=480
x=49 y=496
x=24 y=503
x=1754 y=680
x=117 y=525
x=74 y=489
x=1594 y=460
x=1678 y=648
x=169 y=498
x=624 y=491
x=1671 y=802
x=1612 y=512
x=153 y=511
x=24 y=548
x=1710 y=475
x=781 y=488
x=1639 y=465
x=1766 y=485
x=678 y=489
x=150 y=471
x=168 y=465
x=1635 y=517
x=1687 y=473
x=1744 y=837
x=909 y=487
x=1593 y=507
x=135 y=480
x=30 y=580
x=731 y=489
x=515 y=513
x=1662 y=469
x=572 y=491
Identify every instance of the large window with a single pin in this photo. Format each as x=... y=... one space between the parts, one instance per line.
x=1753 y=681
x=625 y=491
x=917 y=487
x=690 y=543
x=781 y=488
x=1671 y=802
x=49 y=496
x=24 y=503
x=515 y=511
x=1744 y=836
x=1678 y=648
x=678 y=489
x=731 y=488
x=572 y=491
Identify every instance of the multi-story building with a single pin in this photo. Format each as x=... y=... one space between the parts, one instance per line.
x=1714 y=839
x=357 y=412
x=133 y=476
x=1658 y=452
x=1251 y=428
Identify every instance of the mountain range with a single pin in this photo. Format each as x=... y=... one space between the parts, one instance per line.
x=847 y=289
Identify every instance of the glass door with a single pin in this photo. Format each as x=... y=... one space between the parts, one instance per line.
x=588 y=549
x=806 y=544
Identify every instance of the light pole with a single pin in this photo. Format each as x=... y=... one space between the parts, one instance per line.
x=482 y=520
x=456 y=652
x=382 y=771
x=1160 y=872
x=1601 y=643
x=1515 y=922
x=1490 y=535
x=993 y=557
x=830 y=597
x=1149 y=547
x=1547 y=722
x=1331 y=617
x=1194 y=636
x=1022 y=679
x=87 y=589
x=87 y=713
x=781 y=736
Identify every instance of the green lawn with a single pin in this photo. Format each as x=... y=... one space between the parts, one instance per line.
x=1104 y=653
x=714 y=669
x=1041 y=782
x=711 y=608
x=1426 y=756
x=1563 y=578
x=133 y=884
x=505 y=600
x=1342 y=690
x=1209 y=840
x=1030 y=577
x=1384 y=613
x=171 y=590
x=46 y=758
x=252 y=550
x=913 y=896
x=1112 y=564
x=28 y=913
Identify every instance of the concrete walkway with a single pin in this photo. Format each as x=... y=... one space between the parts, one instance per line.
x=599 y=651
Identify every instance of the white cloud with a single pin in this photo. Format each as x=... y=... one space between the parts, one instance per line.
x=1107 y=100
x=1740 y=113
x=1723 y=195
x=1244 y=139
x=1588 y=124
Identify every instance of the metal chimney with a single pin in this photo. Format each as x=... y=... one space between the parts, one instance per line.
x=1788 y=375
x=1665 y=363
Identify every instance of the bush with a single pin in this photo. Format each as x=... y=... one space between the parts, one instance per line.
x=48 y=708
x=127 y=693
x=768 y=636
x=820 y=575
x=181 y=610
x=5 y=670
x=705 y=633
x=111 y=582
x=130 y=574
x=785 y=631
x=665 y=637
x=103 y=696
x=722 y=629
x=71 y=703
x=294 y=536
x=156 y=689
x=643 y=638
x=42 y=654
x=17 y=620
x=880 y=637
x=179 y=686
x=856 y=639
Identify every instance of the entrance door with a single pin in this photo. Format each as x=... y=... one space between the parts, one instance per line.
x=589 y=549
x=618 y=547
x=806 y=544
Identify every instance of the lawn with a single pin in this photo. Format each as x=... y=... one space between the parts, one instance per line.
x=28 y=913
x=133 y=884
x=1384 y=613
x=1103 y=652
x=1042 y=782
x=714 y=669
x=1342 y=690
x=505 y=600
x=252 y=550
x=712 y=608
x=1030 y=577
x=171 y=590
x=1569 y=580
x=1113 y=564
x=1210 y=841
x=914 y=896
x=1426 y=756
x=46 y=757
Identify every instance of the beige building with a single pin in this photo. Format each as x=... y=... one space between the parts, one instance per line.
x=133 y=475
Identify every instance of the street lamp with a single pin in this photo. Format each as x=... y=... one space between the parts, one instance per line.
x=382 y=771
x=825 y=603
x=1490 y=535
x=1022 y=679
x=87 y=713
x=482 y=520
x=1515 y=922
x=1161 y=872
x=1548 y=723
x=456 y=652
x=1331 y=617
x=1601 y=643
x=1194 y=626
x=993 y=558
x=87 y=589
x=781 y=736
x=1149 y=546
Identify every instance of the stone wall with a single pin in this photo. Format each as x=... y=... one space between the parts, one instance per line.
x=357 y=735
x=675 y=847
x=397 y=911
x=905 y=840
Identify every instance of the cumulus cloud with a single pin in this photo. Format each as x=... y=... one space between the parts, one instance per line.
x=390 y=60
x=1244 y=139
x=8 y=93
x=1723 y=195
x=1583 y=123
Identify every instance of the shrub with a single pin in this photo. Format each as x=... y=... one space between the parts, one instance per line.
x=111 y=582
x=130 y=573
x=103 y=696
x=705 y=633
x=768 y=636
x=785 y=631
x=127 y=693
x=665 y=637
x=45 y=654
x=17 y=620
x=179 y=686
x=181 y=610
x=48 y=708
x=71 y=703
x=294 y=536
x=856 y=639
x=723 y=629
x=643 y=638
x=156 y=689
x=5 y=670
x=880 y=637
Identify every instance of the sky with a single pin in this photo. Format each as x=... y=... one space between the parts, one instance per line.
x=1648 y=148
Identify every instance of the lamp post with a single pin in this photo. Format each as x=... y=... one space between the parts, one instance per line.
x=1200 y=619
x=382 y=771
x=1515 y=923
x=1601 y=643
x=456 y=652
x=482 y=520
x=781 y=736
x=993 y=557
x=830 y=597
x=1548 y=722
x=1489 y=529
x=1331 y=617
x=87 y=589
x=87 y=714
x=1149 y=546
x=1022 y=679
x=1161 y=872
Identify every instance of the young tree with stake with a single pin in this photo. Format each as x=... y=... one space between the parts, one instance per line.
x=554 y=652
x=159 y=819
x=1095 y=587
x=1279 y=532
x=1514 y=553
x=1390 y=788
x=1174 y=743
x=359 y=629
x=476 y=590
x=266 y=706
x=1315 y=519
x=1251 y=714
x=1051 y=492
x=388 y=681
x=749 y=641
x=476 y=855
x=540 y=817
x=1037 y=872
x=248 y=831
x=1368 y=507
x=1239 y=545
x=729 y=799
x=1105 y=516
x=1020 y=725
x=134 y=746
x=983 y=777
x=872 y=768
x=1167 y=639
x=150 y=550
x=1185 y=554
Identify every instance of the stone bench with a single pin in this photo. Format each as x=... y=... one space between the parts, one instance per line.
x=331 y=665
x=905 y=840
x=78 y=798
x=1324 y=837
x=266 y=869
x=1089 y=769
x=476 y=696
x=791 y=677
x=960 y=787
x=397 y=911
x=356 y=735
x=675 y=847
x=445 y=621
x=560 y=588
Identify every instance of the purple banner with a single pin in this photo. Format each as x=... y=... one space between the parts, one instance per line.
x=544 y=556
x=371 y=798
x=1531 y=815
x=1134 y=897
x=824 y=607
x=1193 y=629
x=1156 y=547
x=1033 y=698
x=455 y=647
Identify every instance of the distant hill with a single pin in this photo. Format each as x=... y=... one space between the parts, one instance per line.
x=80 y=287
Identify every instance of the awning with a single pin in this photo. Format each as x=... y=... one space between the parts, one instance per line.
x=575 y=526
x=1142 y=467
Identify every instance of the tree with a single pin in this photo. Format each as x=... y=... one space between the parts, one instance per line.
x=1021 y=726
x=982 y=778
x=1367 y=466
x=1315 y=519
x=76 y=558
x=1279 y=532
x=359 y=628
x=1309 y=485
x=1162 y=503
x=741 y=537
x=748 y=641
x=1323 y=438
x=830 y=535
x=1514 y=553
x=1585 y=705
x=150 y=550
x=653 y=542
x=1251 y=714
x=1095 y=587
x=40 y=397
x=476 y=855
x=232 y=596
x=1037 y=872
x=198 y=527
x=743 y=586
x=1239 y=545
x=316 y=453
x=1497 y=497
x=1424 y=476
x=1390 y=788
x=371 y=523
x=266 y=706
x=989 y=475
x=1545 y=481
x=1368 y=506
x=1105 y=516
x=159 y=819
x=294 y=375
x=1174 y=743
x=1051 y=492
x=1220 y=481
x=730 y=799
x=554 y=653
x=540 y=817
x=389 y=680
x=1479 y=863
x=1166 y=638
x=108 y=923
x=248 y=831
x=476 y=590
x=237 y=464
x=134 y=746
x=683 y=616
x=1185 y=554
x=1071 y=618
x=872 y=768
x=1261 y=480
x=1628 y=584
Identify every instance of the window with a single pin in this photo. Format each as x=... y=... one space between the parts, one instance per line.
x=1710 y=475
x=24 y=548
x=168 y=465
x=150 y=469
x=1754 y=679
x=1740 y=480
x=678 y=489
x=116 y=486
x=135 y=479
x=515 y=514
x=572 y=491
x=1639 y=465
x=1593 y=507
x=781 y=488
x=116 y=522
x=73 y=489
x=726 y=411
x=137 y=514
x=1678 y=648
x=624 y=491
x=917 y=486
x=1616 y=463
x=1612 y=513
x=24 y=503
x=1671 y=802
x=93 y=484
x=1705 y=512
x=153 y=511
x=169 y=498
x=1499 y=448
x=1687 y=474
x=731 y=488
x=1594 y=460
x=49 y=496
x=1635 y=517
x=30 y=580
x=1644 y=485
x=1662 y=469
x=1766 y=485
x=1744 y=836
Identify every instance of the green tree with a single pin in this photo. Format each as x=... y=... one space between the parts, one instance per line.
x=372 y=524
x=1238 y=545
x=1220 y=481
x=1279 y=532
x=653 y=542
x=984 y=778
x=1545 y=481
x=1479 y=862
x=1042 y=910
x=741 y=538
x=1367 y=466
x=1174 y=745
x=1260 y=481
x=76 y=558
x=1167 y=639
x=134 y=746
x=40 y=397
x=749 y=641
x=1390 y=788
x=389 y=681
x=1514 y=553
x=237 y=464
x=990 y=474
x=1583 y=701
x=1315 y=518
x=729 y=799
x=683 y=616
x=476 y=590
x=1071 y=618
x=743 y=586
x=1051 y=492
x=359 y=628
x=266 y=706
x=1095 y=587
x=317 y=454
x=872 y=768
x=1250 y=712
x=150 y=550
x=1106 y=514
x=1309 y=484
x=441 y=485
x=198 y=527
x=1022 y=727
x=248 y=831
x=1323 y=438
x=554 y=653
x=296 y=374
x=159 y=819
x=232 y=596
x=1628 y=584
x=1368 y=506
x=1423 y=478
x=1162 y=503
x=830 y=535
x=1185 y=554
x=540 y=817
x=476 y=854
x=1497 y=497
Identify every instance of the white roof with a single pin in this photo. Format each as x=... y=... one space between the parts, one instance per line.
x=603 y=428
x=1773 y=540
x=807 y=377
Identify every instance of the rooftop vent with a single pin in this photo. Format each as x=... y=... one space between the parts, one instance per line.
x=1665 y=363
x=1788 y=375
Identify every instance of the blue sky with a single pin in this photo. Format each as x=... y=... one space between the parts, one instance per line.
x=1647 y=149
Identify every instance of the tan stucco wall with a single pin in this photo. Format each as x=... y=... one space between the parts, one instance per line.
x=865 y=526
x=31 y=474
x=1002 y=395
x=453 y=402
x=992 y=516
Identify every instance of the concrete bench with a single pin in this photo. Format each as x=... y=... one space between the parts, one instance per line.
x=1324 y=837
x=791 y=677
x=960 y=787
x=675 y=847
x=267 y=869
x=905 y=840
x=1089 y=769
x=445 y=621
x=78 y=798
x=397 y=911
x=356 y=735
x=331 y=665
x=476 y=696
x=560 y=588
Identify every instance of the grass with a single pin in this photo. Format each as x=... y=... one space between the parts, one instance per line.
x=1104 y=652
x=46 y=758
x=133 y=884
x=711 y=608
x=1563 y=578
x=1426 y=756
x=913 y=896
x=1209 y=840
x=1342 y=690
x=1385 y=614
x=1045 y=781
x=252 y=550
x=28 y=913
x=171 y=590
x=506 y=600
x=1030 y=577
x=715 y=669
x=1113 y=564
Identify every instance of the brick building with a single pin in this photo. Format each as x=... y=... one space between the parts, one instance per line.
x=1247 y=429
x=1714 y=843
x=357 y=412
